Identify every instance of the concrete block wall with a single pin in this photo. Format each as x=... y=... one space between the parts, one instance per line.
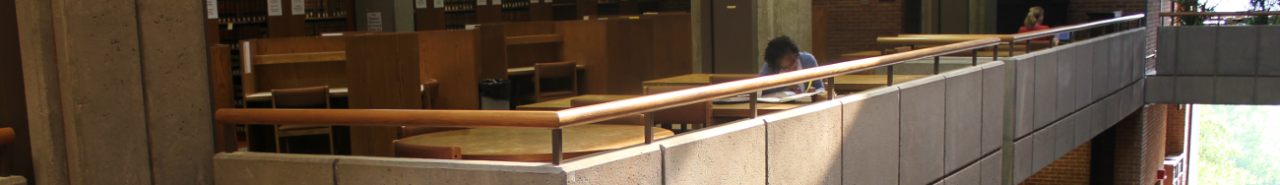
x=1064 y=96
x=1216 y=65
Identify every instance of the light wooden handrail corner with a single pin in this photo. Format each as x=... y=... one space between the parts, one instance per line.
x=1075 y=27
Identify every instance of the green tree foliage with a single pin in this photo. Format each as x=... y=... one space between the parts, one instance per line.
x=1236 y=144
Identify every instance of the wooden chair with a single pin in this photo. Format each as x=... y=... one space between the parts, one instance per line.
x=555 y=80
x=7 y=135
x=301 y=98
x=426 y=152
x=430 y=90
x=637 y=119
x=692 y=116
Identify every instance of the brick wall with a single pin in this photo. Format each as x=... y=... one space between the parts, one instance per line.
x=1139 y=145
x=853 y=26
x=1177 y=134
x=1072 y=168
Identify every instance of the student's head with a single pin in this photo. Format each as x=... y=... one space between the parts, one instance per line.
x=1034 y=18
x=781 y=53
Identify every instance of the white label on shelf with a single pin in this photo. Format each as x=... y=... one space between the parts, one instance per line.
x=211 y=8
x=274 y=9
x=546 y=1
x=482 y=2
x=439 y=3
x=533 y=1
x=420 y=4
x=472 y=26
x=374 y=21
x=497 y=2
x=246 y=56
x=299 y=7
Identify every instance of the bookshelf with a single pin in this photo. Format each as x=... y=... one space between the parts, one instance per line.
x=456 y=14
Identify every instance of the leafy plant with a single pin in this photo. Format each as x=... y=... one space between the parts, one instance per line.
x=1192 y=6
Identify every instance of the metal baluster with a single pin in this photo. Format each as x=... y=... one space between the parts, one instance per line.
x=1011 y=48
x=557 y=146
x=937 y=60
x=831 y=88
x=995 y=51
x=975 y=57
x=1028 y=48
x=890 y=75
x=754 y=97
x=648 y=128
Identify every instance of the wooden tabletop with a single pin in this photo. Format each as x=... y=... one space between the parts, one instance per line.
x=843 y=82
x=266 y=96
x=535 y=144
x=529 y=70
x=718 y=110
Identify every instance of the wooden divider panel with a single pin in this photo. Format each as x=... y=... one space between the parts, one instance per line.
x=527 y=54
x=672 y=44
x=263 y=78
x=384 y=75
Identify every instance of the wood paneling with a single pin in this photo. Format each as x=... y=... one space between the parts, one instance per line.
x=287 y=24
x=263 y=78
x=630 y=55
x=451 y=60
x=584 y=43
x=672 y=44
x=384 y=74
x=431 y=18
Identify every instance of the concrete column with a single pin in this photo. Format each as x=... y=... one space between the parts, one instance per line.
x=117 y=91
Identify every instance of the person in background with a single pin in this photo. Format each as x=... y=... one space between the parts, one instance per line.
x=780 y=56
x=1034 y=21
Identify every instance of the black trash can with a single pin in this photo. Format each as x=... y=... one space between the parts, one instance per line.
x=495 y=94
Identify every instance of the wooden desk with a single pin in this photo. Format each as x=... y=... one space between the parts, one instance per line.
x=266 y=96
x=843 y=82
x=529 y=70
x=717 y=110
x=535 y=144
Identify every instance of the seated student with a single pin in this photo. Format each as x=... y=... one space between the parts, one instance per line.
x=782 y=55
x=1034 y=21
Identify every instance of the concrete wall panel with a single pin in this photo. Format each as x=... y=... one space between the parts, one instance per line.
x=1233 y=90
x=632 y=165
x=1266 y=90
x=1100 y=68
x=1066 y=102
x=176 y=68
x=1125 y=58
x=1197 y=49
x=1083 y=128
x=922 y=130
x=1023 y=157
x=1237 y=52
x=245 y=168
x=1065 y=137
x=1046 y=90
x=963 y=117
x=1084 y=74
x=1140 y=55
x=1023 y=89
x=1160 y=89
x=804 y=144
x=993 y=99
x=1269 y=41
x=699 y=157
x=1193 y=89
x=1044 y=148
x=870 y=123
x=1166 y=50
x=992 y=169
x=966 y=176
x=386 y=170
x=1115 y=63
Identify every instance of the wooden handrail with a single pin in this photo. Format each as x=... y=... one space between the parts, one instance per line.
x=390 y=117
x=1076 y=27
x=923 y=40
x=1169 y=14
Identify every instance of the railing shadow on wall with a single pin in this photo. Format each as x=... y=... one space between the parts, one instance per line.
x=706 y=138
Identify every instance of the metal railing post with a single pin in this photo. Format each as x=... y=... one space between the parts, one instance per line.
x=890 y=76
x=937 y=61
x=557 y=146
x=648 y=128
x=831 y=88
x=754 y=96
x=975 y=57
